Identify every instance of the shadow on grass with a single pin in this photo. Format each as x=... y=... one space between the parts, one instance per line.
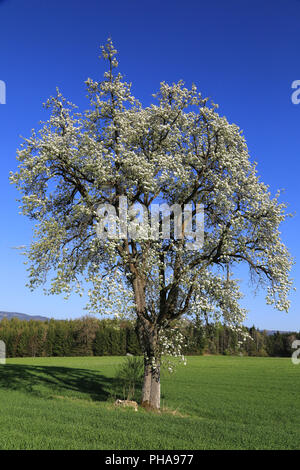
x=49 y=381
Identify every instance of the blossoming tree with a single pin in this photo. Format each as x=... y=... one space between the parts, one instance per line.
x=179 y=151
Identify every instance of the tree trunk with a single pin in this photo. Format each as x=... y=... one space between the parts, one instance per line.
x=155 y=388
x=151 y=385
x=148 y=338
x=146 y=385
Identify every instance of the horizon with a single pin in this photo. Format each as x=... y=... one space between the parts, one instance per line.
x=268 y=330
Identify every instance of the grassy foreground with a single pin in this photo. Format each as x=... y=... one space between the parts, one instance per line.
x=221 y=403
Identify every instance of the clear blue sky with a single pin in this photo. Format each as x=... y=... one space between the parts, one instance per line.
x=242 y=53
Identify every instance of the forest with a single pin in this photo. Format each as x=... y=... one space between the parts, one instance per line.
x=89 y=336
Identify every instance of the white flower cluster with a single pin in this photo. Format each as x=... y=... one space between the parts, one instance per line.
x=171 y=343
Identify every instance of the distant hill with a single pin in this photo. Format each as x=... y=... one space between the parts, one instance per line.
x=22 y=316
x=272 y=332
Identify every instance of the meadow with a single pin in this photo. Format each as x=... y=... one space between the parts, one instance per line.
x=214 y=402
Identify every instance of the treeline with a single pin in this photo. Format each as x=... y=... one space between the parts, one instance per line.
x=219 y=339
x=90 y=336
x=86 y=336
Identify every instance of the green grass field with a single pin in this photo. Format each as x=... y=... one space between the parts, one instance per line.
x=220 y=403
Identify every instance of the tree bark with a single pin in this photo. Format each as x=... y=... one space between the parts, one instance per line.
x=151 y=385
x=155 y=388
x=148 y=338
x=146 y=391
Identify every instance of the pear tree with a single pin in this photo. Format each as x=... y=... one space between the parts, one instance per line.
x=75 y=171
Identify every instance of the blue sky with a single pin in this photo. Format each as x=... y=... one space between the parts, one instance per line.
x=244 y=54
